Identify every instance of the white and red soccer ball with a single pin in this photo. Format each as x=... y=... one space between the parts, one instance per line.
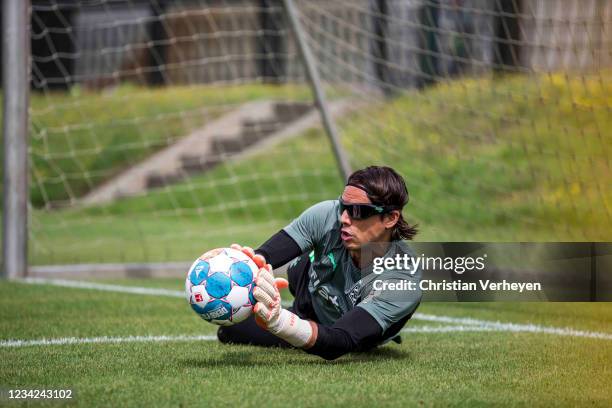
x=219 y=286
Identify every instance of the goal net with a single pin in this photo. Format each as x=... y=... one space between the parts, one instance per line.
x=160 y=129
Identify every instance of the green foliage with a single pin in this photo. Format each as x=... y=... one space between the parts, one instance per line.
x=507 y=159
x=81 y=139
x=528 y=157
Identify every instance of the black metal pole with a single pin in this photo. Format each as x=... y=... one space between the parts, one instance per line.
x=593 y=288
x=158 y=36
x=380 y=49
x=271 y=42
x=428 y=61
x=507 y=35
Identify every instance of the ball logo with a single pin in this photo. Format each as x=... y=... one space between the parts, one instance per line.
x=198 y=297
x=213 y=314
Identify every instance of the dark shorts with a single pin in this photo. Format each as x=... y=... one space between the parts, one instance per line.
x=248 y=332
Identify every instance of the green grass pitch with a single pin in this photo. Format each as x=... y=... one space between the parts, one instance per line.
x=451 y=368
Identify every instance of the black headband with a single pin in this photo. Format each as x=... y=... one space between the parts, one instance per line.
x=359 y=186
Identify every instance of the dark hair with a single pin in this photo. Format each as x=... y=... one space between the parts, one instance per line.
x=384 y=186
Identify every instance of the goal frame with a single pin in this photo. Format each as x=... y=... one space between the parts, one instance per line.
x=16 y=85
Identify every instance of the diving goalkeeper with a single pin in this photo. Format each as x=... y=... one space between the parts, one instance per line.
x=339 y=307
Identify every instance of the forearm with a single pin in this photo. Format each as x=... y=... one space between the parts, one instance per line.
x=298 y=332
x=355 y=331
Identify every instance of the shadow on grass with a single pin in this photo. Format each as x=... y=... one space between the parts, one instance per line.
x=249 y=356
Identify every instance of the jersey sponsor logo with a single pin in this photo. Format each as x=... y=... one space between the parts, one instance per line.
x=354 y=293
x=324 y=293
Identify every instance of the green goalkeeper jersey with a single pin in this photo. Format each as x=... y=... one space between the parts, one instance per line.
x=337 y=285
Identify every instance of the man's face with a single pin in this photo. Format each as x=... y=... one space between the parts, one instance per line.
x=356 y=233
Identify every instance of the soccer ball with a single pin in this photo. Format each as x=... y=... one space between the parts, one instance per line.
x=219 y=286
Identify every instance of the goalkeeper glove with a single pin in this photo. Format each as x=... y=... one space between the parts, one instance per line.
x=269 y=313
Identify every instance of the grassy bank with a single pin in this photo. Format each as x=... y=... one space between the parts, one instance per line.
x=506 y=159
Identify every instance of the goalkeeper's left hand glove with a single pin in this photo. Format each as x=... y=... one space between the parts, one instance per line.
x=270 y=314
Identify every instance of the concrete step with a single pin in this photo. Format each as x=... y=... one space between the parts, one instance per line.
x=245 y=131
x=289 y=111
x=257 y=130
x=196 y=164
x=226 y=147
x=157 y=180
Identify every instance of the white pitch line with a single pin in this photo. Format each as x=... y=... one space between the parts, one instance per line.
x=513 y=327
x=447 y=329
x=101 y=340
x=159 y=339
x=13 y=343
x=464 y=321
x=505 y=328
x=105 y=287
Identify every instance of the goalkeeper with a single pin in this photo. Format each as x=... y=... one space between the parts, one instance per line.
x=338 y=306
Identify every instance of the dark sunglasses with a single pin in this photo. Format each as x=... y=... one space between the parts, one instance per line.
x=363 y=211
